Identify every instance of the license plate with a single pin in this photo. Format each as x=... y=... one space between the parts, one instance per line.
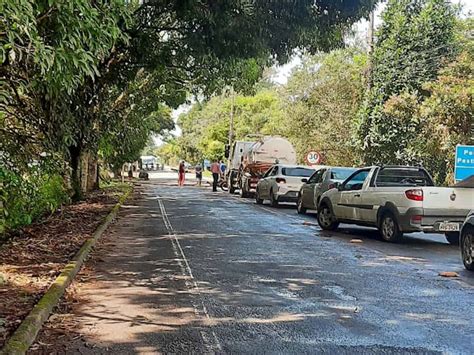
x=448 y=227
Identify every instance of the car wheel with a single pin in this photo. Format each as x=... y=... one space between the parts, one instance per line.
x=452 y=238
x=389 y=229
x=273 y=199
x=299 y=205
x=326 y=218
x=467 y=248
x=258 y=200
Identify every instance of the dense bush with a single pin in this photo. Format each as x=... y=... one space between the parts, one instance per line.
x=26 y=197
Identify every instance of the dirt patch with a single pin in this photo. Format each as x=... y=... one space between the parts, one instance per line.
x=61 y=334
x=31 y=260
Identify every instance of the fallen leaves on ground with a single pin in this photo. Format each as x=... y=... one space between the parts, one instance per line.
x=32 y=259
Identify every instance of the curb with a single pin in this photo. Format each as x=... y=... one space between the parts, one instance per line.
x=26 y=333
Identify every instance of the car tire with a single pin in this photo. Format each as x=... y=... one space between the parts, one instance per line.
x=299 y=205
x=388 y=228
x=467 y=248
x=326 y=219
x=273 y=199
x=452 y=238
x=258 y=200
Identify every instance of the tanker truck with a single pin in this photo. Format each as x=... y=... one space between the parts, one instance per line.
x=259 y=157
x=235 y=155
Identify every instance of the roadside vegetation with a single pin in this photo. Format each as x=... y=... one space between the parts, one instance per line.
x=410 y=101
x=83 y=85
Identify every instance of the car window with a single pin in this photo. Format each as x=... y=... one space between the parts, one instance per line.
x=313 y=177
x=268 y=172
x=403 y=177
x=341 y=174
x=303 y=172
x=321 y=176
x=316 y=177
x=274 y=171
x=356 y=181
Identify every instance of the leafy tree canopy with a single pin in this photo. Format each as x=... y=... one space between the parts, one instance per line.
x=415 y=40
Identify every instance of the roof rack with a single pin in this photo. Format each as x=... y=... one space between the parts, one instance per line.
x=401 y=166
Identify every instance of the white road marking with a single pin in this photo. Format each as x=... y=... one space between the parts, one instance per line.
x=186 y=271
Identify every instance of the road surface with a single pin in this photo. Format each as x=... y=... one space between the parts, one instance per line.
x=202 y=272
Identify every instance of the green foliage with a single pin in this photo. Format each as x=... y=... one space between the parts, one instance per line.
x=415 y=40
x=441 y=119
x=129 y=117
x=206 y=126
x=321 y=100
x=28 y=196
x=78 y=76
x=49 y=49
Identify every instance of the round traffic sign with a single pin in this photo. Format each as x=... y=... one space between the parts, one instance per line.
x=313 y=158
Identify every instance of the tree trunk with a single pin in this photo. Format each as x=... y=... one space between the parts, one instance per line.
x=75 y=160
x=92 y=182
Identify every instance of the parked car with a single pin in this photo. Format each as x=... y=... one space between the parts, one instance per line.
x=281 y=183
x=396 y=200
x=324 y=179
x=467 y=242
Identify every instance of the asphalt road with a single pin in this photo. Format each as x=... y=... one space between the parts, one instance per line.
x=202 y=272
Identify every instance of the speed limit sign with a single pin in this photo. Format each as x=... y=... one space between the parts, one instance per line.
x=313 y=158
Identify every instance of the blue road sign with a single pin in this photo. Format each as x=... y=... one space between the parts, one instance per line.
x=464 y=164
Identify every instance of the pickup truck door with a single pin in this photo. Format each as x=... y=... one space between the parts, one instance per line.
x=350 y=202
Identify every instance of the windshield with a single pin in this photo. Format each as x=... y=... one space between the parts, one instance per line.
x=403 y=177
x=341 y=174
x=303 y=172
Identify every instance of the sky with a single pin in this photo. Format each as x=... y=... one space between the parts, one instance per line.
x=283 y=72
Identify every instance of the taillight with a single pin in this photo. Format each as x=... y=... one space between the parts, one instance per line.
x=415 y=195
x=416 y=219
x=280 y=180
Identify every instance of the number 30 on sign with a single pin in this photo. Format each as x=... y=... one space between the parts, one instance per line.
x=313 y=158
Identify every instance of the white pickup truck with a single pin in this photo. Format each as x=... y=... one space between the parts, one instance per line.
x=396 y=200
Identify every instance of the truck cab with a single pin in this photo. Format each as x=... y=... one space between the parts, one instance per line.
x=234 y=155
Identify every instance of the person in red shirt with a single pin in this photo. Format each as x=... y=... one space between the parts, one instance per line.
x=181 y=173
x=215 y=170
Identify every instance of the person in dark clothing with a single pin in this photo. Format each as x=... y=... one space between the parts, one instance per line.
x=215 y=170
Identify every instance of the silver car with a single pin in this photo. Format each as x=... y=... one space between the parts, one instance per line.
x=467 y=242
x=321 y=181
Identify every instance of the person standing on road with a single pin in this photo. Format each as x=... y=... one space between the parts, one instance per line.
x=199 y=174
x=215 y=170
x=181 y=173
x=223 y=168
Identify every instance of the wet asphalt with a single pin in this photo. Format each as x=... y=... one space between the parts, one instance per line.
x=194 y=271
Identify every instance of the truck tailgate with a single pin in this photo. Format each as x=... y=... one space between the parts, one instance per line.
x=447 y=201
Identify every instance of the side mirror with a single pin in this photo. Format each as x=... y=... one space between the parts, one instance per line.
x=304 y=180
x=340 y=187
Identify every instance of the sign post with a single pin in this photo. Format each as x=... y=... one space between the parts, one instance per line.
x=313 y=158
x=464 y=162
